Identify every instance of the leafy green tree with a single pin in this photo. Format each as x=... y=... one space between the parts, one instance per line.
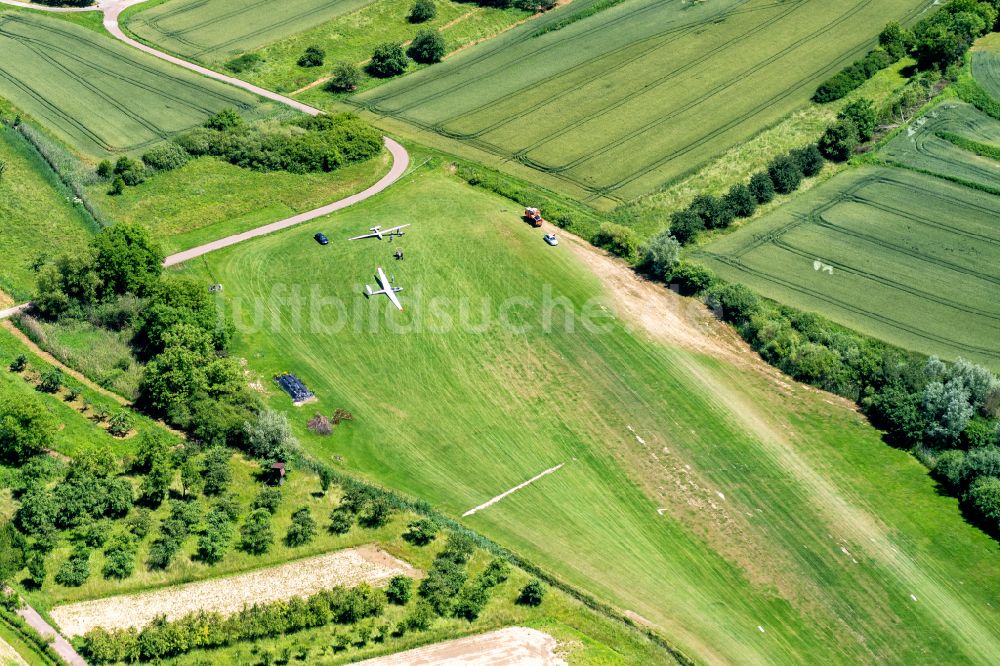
x=388 y=60
x=400 y=590
x=157 y=481
x=13 y=551
x=950 y=468
x=225 y=119
x=119 y=497
x=270 y=436
x=377 y=513
x=785 y=174
x=75 y=571
x=117 y=187
x=120 y=424
x=715 y=211
x=470 y=602
x=37 y=513
x=26 y=427
x=741 y=200
x=661 y=254
x=862 y=113
x=105 y=169
x=19 y=363
x=762 y=187
x=302 y=529
x=313 y=57
x=948 y=411
x=427 y=47
x=325 y=478
x=496 y=573
x=119 y=557
x=894 y=39
x=984 y=495
x=421 y=532
x=345 y=77
x=809 y=159
x=132 y=172
x=214 y=541
x=191 y=479
x=51 y=380
x=268 y=498
x=126 y=259
x=166 y=156
x=217 y=471
x=618 y=240
x=422 y=10
x=419 y=618
x=341 y=521
x=36 y=566
x=532 y=594
x=685 y=225
x=256 y=534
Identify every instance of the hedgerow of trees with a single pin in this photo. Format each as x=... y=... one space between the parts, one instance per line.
x=936 y=42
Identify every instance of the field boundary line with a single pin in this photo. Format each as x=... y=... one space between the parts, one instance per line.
x=491 y=502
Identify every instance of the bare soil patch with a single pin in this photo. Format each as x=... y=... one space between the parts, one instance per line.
x=230 y=594
x=513 y=646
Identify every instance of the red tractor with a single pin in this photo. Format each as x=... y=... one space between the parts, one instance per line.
x=533 y=216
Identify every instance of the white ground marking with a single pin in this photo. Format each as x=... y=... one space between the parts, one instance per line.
x=512 y=490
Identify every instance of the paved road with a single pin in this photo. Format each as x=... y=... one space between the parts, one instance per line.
x=59 y=644
x=400 y=161
x=10 y=312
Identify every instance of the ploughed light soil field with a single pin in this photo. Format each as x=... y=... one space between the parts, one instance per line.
x=229 y=594
x=513 y=646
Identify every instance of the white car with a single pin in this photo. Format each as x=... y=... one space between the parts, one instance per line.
x=551 y=239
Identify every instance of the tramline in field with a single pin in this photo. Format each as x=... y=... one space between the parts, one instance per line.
x=611 y=106
x=100 y=96
x=913 y=260
x=213 y=30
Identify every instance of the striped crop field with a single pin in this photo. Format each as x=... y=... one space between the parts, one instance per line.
x=214 y=30
x=986 y=64
x=98 y=95
x=929 y=145
x=613 y=105
x=899 y=255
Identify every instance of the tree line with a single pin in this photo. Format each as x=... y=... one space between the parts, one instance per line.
x=321 y=143
x=937 y=42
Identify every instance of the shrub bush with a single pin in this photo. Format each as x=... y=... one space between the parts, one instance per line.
x=344 y=77
x=422 y=10
x=388 y=60
x=166 y=156
x=427 y=47
x=532 y=594
x=618 y=240
x=785 y=174
x=313 y=57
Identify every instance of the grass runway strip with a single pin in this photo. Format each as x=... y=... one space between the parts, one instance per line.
x=616 y=104
x=100 y=96
x=803 y=476
x=230 y=594
x=914 y=260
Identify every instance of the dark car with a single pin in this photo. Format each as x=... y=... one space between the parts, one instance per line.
x=322 y=239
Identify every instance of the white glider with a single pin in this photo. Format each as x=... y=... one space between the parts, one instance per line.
x=379 y=233
x=386 y=289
